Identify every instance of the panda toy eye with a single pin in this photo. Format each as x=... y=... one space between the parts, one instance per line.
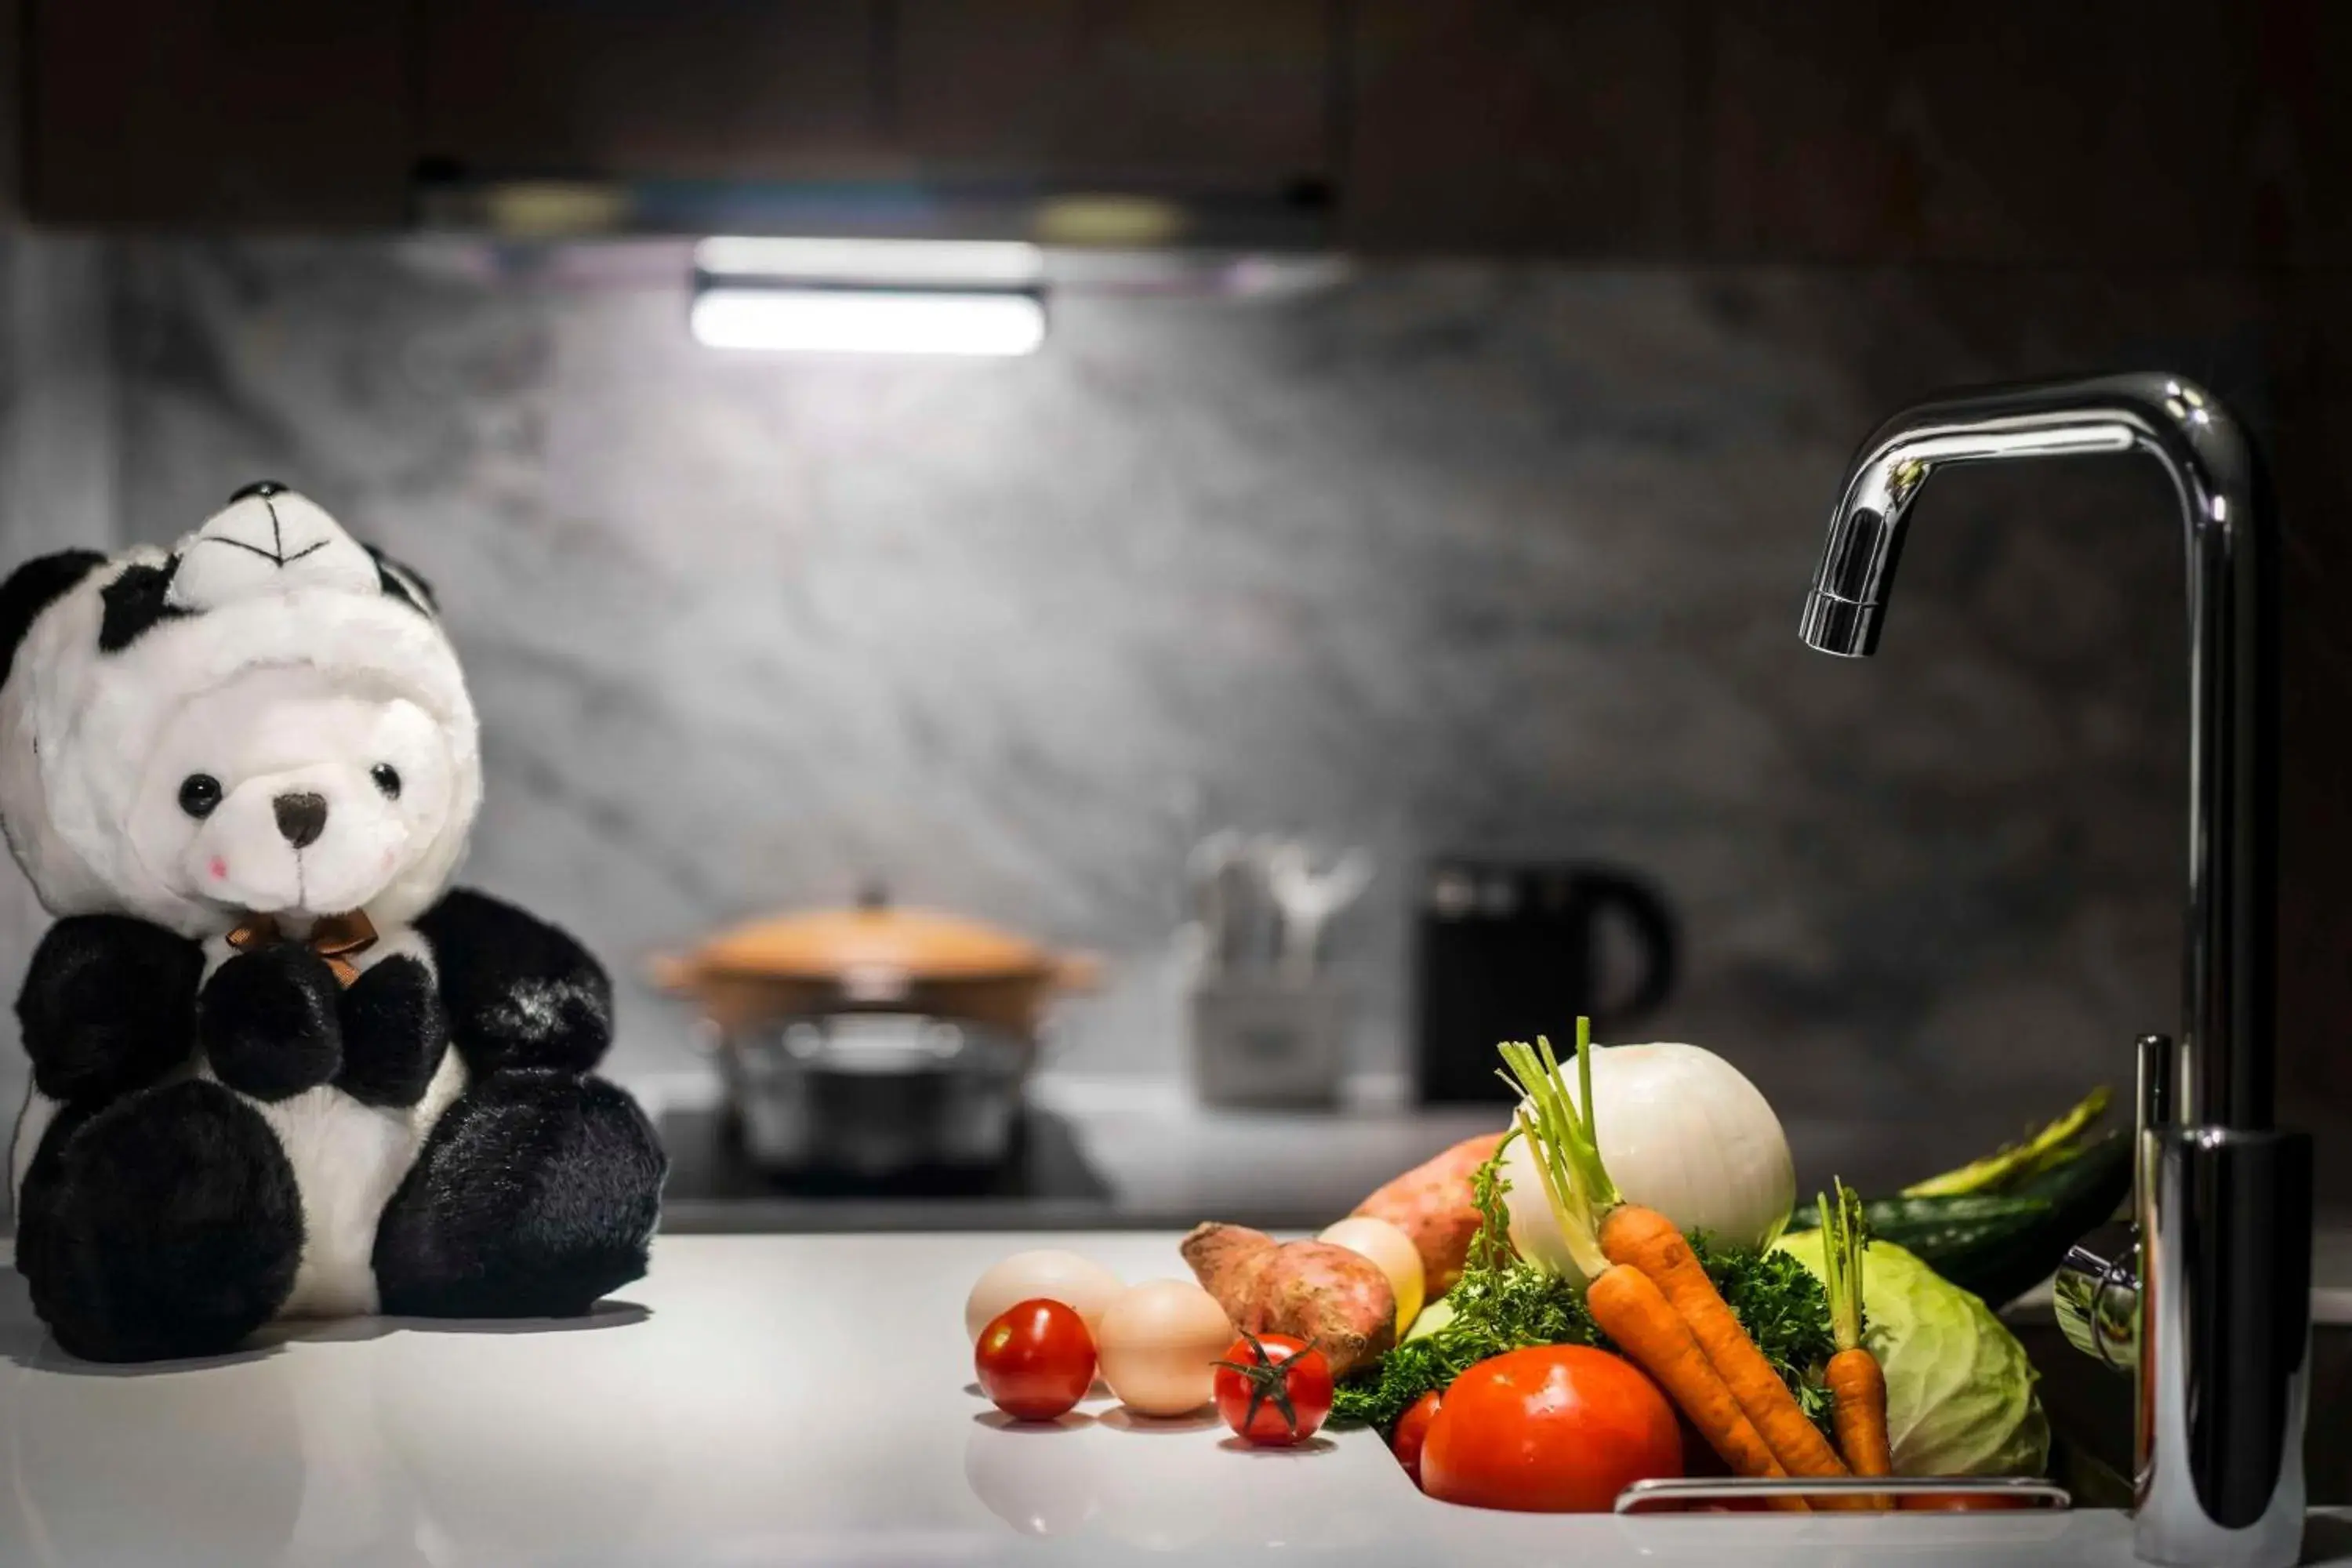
x=387 y=779
x=199 y=792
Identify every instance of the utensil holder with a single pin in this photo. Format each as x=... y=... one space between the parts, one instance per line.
x=1262 y=1040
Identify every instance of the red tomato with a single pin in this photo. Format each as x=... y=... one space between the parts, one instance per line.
x=1273 y=1389
x=1035 y=1360
x=1412 y=1431
x=1552 y=1429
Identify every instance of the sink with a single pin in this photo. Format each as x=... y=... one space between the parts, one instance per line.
x=2090 y=1407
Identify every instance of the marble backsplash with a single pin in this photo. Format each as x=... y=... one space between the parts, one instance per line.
x=1432 y=559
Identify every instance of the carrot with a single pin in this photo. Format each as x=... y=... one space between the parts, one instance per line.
x=1857 y=1383
x=1858 y=1391
x=1626 y=1302
x=1670 y=1340
x=1642 y=1238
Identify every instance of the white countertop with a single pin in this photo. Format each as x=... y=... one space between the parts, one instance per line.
x=769 y=1399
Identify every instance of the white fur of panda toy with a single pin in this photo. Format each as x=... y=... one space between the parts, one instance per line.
x=280 y=1068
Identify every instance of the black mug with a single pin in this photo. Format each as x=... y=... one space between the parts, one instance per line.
x=1510 y=951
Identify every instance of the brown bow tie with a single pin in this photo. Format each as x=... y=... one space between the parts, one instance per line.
x=335 y=938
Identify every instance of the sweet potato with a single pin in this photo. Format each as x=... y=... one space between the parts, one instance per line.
x=1338 y=1299
x=1431 y=1204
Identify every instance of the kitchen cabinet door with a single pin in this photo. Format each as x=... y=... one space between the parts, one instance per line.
x=655 y=88
x=1517 y=126
x=1229 y=96
x=2096 y=132
x=247 y=113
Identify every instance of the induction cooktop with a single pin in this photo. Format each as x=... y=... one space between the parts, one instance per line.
x=1043 y=1182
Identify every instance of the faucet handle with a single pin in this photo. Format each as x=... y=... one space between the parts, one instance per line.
x=2097 y=1296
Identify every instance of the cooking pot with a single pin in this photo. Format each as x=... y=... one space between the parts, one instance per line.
x=874 y=1040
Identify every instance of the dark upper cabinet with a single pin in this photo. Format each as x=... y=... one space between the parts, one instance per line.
x=1157 y=95
x=2087 y=133
x=686 y=90
x=1548 y=127
x=231 y=112
x=238 y=112
x=1150 y=95
x=2096 y=131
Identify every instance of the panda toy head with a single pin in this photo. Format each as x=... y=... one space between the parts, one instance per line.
x=266 y=719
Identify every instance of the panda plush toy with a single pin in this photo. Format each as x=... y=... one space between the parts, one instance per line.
x=280 y=1069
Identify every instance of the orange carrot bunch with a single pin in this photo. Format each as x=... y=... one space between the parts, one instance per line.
x=1648 y=1291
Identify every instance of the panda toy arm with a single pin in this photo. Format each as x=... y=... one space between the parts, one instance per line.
x=109 y=1005
x=518 y=993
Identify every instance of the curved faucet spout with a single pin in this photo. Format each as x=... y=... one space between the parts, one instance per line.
x=2226 y=1049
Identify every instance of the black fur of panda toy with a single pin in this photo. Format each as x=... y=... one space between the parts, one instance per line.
x=280 y=1069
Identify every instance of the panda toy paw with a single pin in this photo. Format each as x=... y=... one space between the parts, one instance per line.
x=394 y=1032
x=537 y=1195
x=167 y=1223
x=270 y=1022
x=106 y=1006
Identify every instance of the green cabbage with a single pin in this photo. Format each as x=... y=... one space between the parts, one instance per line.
x=1959 y=1391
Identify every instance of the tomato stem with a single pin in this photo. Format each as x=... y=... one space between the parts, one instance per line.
x=1268 y=1379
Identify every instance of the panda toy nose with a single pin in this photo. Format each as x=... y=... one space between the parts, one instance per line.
x=301 y=818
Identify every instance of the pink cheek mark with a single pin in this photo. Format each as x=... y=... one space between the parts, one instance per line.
x=219 y=867
x=387 y=859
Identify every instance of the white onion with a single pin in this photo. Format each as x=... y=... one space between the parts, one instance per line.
x=1682 y=1131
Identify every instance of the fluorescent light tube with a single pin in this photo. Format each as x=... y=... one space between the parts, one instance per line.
x=867 y=321
x=948 y=263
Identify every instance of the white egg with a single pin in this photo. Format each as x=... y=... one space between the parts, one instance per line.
x=1047 y=1274
x=1389 y=1246
x=1157 y=1345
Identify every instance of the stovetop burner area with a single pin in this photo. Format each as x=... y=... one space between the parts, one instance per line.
x=1079 y=1160
x=1044 y=1181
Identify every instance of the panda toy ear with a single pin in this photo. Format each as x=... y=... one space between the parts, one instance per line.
x=34 y=587
x=402 y=581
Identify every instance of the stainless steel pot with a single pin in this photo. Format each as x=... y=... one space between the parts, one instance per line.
x=871 y=1095
x=874 y=1040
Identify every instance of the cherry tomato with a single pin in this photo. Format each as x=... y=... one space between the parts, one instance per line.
x=1035 y=1360
x=1551 y=1429
x=1274 y=1390
x=1412 y=1431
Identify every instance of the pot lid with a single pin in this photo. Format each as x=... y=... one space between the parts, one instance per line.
x=874 y=938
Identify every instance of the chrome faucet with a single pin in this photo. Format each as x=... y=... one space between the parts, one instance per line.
x=2206 y=1301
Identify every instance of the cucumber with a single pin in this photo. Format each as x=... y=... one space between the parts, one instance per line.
x=2001 y=1245
x=1901 y=1220
x=2084 y=1193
